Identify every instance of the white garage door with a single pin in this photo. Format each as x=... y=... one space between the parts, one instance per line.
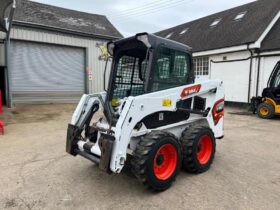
x=42 y=72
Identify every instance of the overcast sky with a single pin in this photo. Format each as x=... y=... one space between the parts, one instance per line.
x=132 y=16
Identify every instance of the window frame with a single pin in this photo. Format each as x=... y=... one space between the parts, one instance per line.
x=216 y=22
x=201 y=66
x=184 y=31
x=169 y=35
x=240 y=16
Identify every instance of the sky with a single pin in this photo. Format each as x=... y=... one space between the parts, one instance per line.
x=134 y=16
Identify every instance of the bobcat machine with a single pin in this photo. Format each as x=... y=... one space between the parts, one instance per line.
x=153 y=116
x=268 y=105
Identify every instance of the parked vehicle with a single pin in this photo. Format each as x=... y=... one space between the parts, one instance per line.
x=153 y=112
x=268 y=105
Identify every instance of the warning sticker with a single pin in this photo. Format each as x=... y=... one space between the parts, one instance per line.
x=167 y=102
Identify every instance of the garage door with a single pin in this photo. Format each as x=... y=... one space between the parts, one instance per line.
x=46 y=73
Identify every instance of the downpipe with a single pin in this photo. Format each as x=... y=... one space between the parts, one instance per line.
x=250 y=74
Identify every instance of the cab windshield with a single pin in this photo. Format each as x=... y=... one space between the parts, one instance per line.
x=130 y=76
x=276 y=79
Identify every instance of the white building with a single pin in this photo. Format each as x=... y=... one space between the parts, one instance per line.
x=240 y=46
x=54 y=53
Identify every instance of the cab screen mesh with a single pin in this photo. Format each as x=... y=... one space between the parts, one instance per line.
x=130 y=77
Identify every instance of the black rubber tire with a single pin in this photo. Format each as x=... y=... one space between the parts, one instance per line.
x=269 y=107
x=142 y=162
x=189 y=140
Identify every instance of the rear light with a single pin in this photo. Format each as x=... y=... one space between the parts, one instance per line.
x=218 y=111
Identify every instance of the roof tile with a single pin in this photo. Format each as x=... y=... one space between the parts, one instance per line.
x=228 y=32
x=57 y=17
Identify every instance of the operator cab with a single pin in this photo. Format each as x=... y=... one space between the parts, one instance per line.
x=273 y=89
x=146 y=63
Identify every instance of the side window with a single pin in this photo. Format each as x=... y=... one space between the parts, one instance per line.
x=171 y=70
x=274 y=81
x=277 y=80
x=180 y=66
x=163 y=68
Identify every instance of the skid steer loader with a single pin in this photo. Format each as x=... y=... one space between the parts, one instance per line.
x=268 y=105
x=152 y=114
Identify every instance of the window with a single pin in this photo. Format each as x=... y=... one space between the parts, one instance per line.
x=184 y=31
x=169 y=35
x=201 y=66
x=216 y=22
x=276 y=82
x=240 y=16
x=172 y=68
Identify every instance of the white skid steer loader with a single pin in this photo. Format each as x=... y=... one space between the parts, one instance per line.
x=153 y=112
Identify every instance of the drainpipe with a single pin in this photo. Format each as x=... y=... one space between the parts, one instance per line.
x=250 y=73
x=7 y=83
x=258 y=75
x=9 y=23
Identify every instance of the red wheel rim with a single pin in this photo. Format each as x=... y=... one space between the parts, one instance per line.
x=165 y=161
x=204 y=149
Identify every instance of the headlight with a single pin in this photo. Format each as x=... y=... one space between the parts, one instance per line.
x=115 y=102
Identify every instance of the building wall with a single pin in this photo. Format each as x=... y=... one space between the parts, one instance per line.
x=93 y=63
x=266 y=66
x=235 y=75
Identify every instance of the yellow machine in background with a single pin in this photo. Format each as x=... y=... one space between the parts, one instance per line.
x=268 y=105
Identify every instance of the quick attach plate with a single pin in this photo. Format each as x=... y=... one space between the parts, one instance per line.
x=73 y=133
x=106 y=143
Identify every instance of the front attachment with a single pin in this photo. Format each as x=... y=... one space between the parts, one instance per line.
x=71 y=142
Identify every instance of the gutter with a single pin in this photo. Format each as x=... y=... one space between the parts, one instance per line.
x=61 y=30
x=258 y=75
x=7 y=53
